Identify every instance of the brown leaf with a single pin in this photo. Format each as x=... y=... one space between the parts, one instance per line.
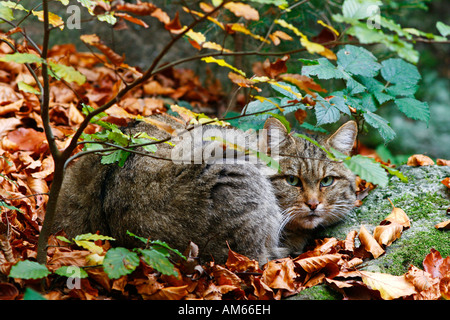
x=243 y=10
x=444 y=287
x=279 y=274
x=446 y=182
x=398 y=216
x=349 y=243
x=273 y=69
x=369 y=243
x=224 y=276
x=169 y=293
x=390 y=287
x=419 y=160
x=426 y=286
x=174 y=24
x=8 y=291
x=140 y=8
x=303 y=83
x=442 y=162
x=95 y=41
x=239 y=263
x=313 y=264
x=443 y=225
x=132 y=19
x=28 y=139
x=435 y=265
x=387 y=234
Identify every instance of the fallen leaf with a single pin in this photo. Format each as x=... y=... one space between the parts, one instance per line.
x=313 y=264
x=28 y=139
x=279 y=274
x=435 y=265
x=446 y=182
x=443 y=225
x=426 y=286
x=390 y=287
x=398 y=216
x=238 y=263
x=387 y=234
x=419 y=160
x=442 y=162
x=369 y=243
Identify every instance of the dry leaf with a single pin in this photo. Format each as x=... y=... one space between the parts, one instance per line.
x=387 y=234
x=419 y=160
x=443 y=225
x=313 y=264
x=369 y=243
x=435 y=265
x=279 y=274
x=442 y=162
x=446 y=182
x=426 y=286
x=390 y=287
x=243 y=10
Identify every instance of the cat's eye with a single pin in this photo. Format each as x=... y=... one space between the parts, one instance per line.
x=294 y=181
x=326 y=182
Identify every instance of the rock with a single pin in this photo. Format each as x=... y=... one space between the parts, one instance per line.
x=423 y=198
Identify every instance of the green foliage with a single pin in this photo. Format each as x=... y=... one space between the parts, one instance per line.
x=71 y=272
x=369 y=85
x=28 y=269
x=121 y=261
x=112 y=136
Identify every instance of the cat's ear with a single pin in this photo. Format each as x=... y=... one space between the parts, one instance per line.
x=274 y=134
x=344 y=137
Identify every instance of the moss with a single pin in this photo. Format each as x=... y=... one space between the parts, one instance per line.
x=318 y=292
x=412 y=251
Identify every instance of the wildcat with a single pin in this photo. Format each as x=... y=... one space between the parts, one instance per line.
x=242 y=205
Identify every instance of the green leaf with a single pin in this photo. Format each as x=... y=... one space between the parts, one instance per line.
x=359 y=9
x=13 y=5
x=27 y=269
x=308 y=62
x=381 y=124
x=119 y=156
x=414 y=109
x=368 y=169
x=326 y=113
x=10 y=207
x=119 y=262
x=6 y=13
x=67 y=73
x=62 y=238
x=398 y=71
x=443 y=29
x=31 y=294
x=71 y=272
x=358 y=61
x=324 y=70
x=396 y=173
x=92 y=237
x=159 y=261
x=27 y=88
x=22 y=58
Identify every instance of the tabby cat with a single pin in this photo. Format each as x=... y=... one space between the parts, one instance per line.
x=242 y=205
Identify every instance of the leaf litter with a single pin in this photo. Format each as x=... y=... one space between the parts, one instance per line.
x=26 y=175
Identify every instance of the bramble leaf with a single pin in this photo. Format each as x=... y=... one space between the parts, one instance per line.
x=398 y=71
x=358 y=61
x=368 y=169
x=381 y=124
x=414 y=109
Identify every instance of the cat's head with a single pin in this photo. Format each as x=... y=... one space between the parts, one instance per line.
x=312 y=190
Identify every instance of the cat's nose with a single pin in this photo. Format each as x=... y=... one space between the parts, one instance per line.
x=312 y=204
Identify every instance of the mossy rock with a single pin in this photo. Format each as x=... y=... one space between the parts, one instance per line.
x=423 y=198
